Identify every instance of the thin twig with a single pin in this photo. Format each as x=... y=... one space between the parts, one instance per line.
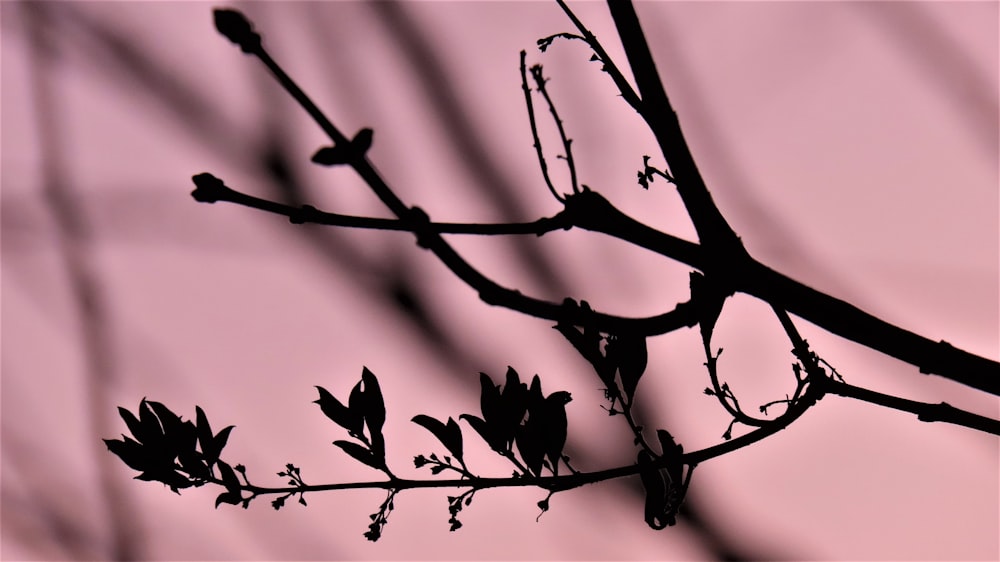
x=536 y=74
x=534 y=130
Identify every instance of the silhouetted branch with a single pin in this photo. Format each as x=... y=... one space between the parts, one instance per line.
x=518 y=421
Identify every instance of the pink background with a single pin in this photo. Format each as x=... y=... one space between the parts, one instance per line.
x=853 y=146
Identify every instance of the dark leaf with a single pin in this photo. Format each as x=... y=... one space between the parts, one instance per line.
x=192 y=463
x=631 y=358
x=588 y=347
x=554 y=424
x=436 y=469
x=708 y=300
x=356 y=404
x=168 y=420
x=278 y=503
x=179 y=436
x=232 y=498
x=449 y=435
x=530 y=444
x=514 y=404
x=535 y=397
x=489 y=400
x=373 y=408
x=132 y=422
x=130 y=452
x=152 y=432
x=205 y=438
x=219 y=443
x=486 y=432
x=229 y=479
x=344 y=417
x=360 y=453
x=168 y=476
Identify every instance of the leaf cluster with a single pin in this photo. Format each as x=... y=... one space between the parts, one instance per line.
x=365 y=409
x=164 y=448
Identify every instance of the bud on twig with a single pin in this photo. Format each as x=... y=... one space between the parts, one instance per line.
x=238 y=29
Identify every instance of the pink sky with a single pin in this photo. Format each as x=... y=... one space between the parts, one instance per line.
x=852 y=146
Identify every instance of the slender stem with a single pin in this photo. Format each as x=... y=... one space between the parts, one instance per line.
x=927 y=412
x=534 y=130
x=536 y=74
x=308 y=214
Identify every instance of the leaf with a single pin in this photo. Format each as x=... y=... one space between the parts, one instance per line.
x=229 y=479
x=211 y=445
x=205 y=437
x=359 y=453
x=228 y=497
x=708 y=301
x=485 y=431
x=152 y=433
x=489 y=399
x=355 y=403
x=219 y=443
x=341 y=415
x=632 y=358
x=530 y=445
x=192 y=463
x=130 y=452
x=132 y=422
x=554 y=419
x=168 y=476
x=449 y=435
x=179 y=436
x=513 y=405
x=373 y=403
x=168 y=420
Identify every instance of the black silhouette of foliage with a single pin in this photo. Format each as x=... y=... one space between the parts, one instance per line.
x=166 y=449
x=365 y=408
x=517 y=420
